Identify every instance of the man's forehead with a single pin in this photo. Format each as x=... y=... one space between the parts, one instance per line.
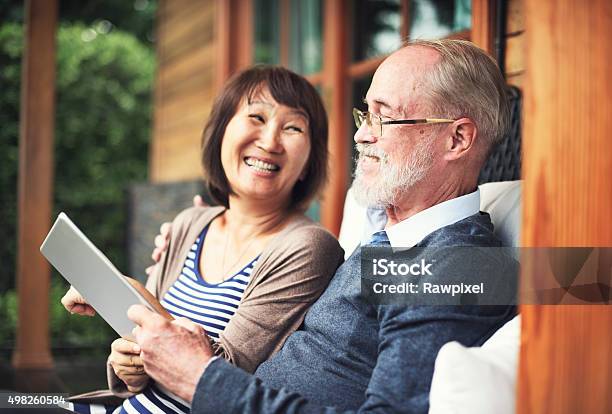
x=396 y=84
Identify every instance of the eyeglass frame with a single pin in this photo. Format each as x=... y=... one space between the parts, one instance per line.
x=358 y=114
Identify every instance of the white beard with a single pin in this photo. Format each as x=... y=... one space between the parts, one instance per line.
x=392 y=181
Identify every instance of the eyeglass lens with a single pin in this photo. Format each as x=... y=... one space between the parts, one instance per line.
x=373 y=122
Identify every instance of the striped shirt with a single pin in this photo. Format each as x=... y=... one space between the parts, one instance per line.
x=209 y=304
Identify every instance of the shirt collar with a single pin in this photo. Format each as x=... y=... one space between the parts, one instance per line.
x=407 y=233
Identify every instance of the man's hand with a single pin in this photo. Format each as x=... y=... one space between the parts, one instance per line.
x=75 y=303
x=126 y=362
x=174 y=353
x=162 y=239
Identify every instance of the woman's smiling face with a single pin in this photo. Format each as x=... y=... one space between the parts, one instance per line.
x=265 y=149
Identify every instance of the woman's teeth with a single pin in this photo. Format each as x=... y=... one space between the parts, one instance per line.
x=261 y=165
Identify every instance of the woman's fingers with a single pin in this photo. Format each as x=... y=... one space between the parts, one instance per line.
x=161 y=241
x=127 y=364
x=135 y=383
x=123 y=346
x=125 y=357
x=75 y=303
x=125 y=370
x=82 y=309
x=198 y=201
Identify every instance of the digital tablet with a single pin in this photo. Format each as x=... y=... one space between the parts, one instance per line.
x=87 y=269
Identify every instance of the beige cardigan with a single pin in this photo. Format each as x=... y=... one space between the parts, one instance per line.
x=291 y=273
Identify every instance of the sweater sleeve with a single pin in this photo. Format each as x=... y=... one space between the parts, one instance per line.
x=409 y=340
x=293 y=279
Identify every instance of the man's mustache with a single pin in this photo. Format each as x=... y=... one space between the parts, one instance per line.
x=371 y=151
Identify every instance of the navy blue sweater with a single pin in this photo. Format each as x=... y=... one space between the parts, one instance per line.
x=350 y=355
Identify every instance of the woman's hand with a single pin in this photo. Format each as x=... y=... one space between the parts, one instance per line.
x=163 y=238
x=126 y=362
x=75 y=303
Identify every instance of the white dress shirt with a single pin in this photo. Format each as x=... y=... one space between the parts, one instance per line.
x=407 y=233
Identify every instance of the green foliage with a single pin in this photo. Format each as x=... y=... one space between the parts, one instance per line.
x=10 y=67
x=8 y=314
x=102 y=129
x=133 y=16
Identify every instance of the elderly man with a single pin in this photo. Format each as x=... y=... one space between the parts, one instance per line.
x=435 y=109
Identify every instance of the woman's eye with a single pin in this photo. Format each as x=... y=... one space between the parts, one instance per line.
x=257 y=117
x=295 y=129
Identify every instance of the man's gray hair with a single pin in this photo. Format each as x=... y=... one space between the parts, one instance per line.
x=467 y=82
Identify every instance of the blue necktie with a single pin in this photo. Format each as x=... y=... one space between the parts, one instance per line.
x=379 y=239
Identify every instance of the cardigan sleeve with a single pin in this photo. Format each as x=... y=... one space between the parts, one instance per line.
x=293 y=278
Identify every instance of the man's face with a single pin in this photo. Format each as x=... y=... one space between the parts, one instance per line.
x=390 y=166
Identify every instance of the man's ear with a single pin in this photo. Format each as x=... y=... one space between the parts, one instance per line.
x=462 y=139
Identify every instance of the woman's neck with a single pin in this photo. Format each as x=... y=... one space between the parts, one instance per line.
x=254 y=218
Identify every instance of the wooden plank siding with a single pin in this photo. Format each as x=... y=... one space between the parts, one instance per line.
x=566 y=351
x=184 y=86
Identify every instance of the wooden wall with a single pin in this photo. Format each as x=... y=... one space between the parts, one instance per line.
x=566 y=351
x=184 y=86
x=515 y=43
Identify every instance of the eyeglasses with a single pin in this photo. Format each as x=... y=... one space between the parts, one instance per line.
x=375 y=122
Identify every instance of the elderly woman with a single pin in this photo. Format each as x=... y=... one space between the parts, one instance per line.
x=247 y=270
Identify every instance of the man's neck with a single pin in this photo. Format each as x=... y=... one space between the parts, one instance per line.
x=418 y=200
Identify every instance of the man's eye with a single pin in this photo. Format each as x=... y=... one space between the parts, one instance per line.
x=376 y=119
x=257 y=117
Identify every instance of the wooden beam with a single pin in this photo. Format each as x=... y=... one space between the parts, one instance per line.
x=335 y=90
x=223 y=43
x=405 y=20
x=235 y=47
x=242 y=28
x=285 y=31
x=35 y=185
x=483 y=25
x=155 y=155
x=566 y=351
x=315 y=78
x=365 y=67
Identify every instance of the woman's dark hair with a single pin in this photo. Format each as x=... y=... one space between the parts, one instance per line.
x=287 y=88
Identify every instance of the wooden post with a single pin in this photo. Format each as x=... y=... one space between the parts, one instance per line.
x=566 y=351
x=235 y=48
x=35 y=184
x=243 y=33
x=334 y=95
x=483 y=25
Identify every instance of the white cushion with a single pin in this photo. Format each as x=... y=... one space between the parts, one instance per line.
x=503 y=202
x=480 y=379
